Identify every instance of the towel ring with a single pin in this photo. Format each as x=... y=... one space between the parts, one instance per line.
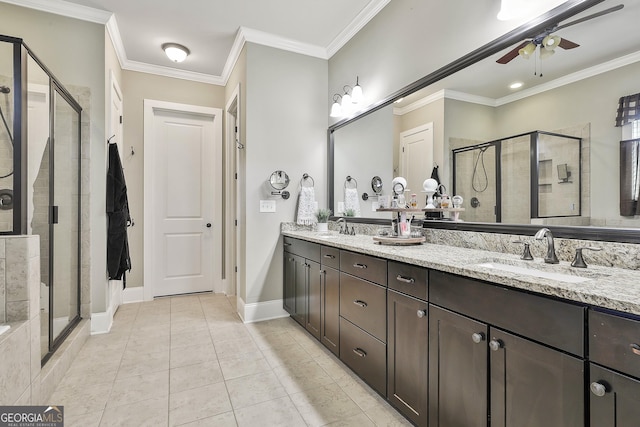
x=305 y=178
x=348 y=180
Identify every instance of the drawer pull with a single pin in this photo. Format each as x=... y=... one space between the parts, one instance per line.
x=329 y=256
x=287 y=244
x=598 y=389
x=635 y=348
x=360 y=352
x=358 y=265
x=405 y=279
x=360 y=303
x=422 y=313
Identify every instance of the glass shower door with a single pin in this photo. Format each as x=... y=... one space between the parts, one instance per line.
x=65 y=304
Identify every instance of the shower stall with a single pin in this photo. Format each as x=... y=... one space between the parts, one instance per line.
x=40 y=182
x=519 y=179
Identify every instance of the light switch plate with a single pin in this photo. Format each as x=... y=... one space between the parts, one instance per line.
x=267 y=205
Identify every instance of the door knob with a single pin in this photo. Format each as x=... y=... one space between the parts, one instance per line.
x=477 y=337
x=208 y=225
x=598 y=389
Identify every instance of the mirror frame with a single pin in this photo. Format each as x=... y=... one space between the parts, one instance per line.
x=525 y=31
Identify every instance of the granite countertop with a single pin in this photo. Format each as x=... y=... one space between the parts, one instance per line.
x=608 y=287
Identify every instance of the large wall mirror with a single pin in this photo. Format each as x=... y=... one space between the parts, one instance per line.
x=572 y=92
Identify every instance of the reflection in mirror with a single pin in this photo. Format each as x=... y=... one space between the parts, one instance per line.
x=279 y=180
x=576 y=96
x=362 y=150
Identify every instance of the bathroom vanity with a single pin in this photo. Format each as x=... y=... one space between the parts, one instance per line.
x=449 y=337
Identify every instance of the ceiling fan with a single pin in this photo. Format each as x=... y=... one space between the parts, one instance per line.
x=549 y=41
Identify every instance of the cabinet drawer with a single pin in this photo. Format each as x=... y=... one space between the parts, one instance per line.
x=541 y=319
x=364 y=354
x=364 y=304
x=330 y=257
x=408 y=279
x=364 y=266
x=300 y=247
x=615 y=342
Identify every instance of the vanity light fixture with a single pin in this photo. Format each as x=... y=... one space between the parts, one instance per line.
x=175 y=52
x=336 y=108
x=347 y=103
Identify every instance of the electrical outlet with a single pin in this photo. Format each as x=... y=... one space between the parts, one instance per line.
x=267 y=205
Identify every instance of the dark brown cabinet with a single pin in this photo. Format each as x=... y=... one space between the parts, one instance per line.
x=528 y=383
x=330 y=309
x=301 y=292
x=407 y=356
x=313 y=296
x=614 y=384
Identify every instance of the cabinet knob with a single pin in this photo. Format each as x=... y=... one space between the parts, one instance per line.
x=495 y=344
x=422 y=313
x=477 y=337
x=598 y=389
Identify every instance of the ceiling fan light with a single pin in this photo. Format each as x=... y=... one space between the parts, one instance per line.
x=551 y=42
x=546 y=53
x=527 y=51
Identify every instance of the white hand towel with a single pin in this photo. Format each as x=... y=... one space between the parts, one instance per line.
x=351 y=200
x=306 y=213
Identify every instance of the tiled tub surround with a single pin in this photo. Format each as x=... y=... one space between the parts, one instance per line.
x=22 y=379
x=614 y=272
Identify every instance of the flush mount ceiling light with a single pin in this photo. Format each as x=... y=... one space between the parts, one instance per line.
x=515 y=85
x=175 y=52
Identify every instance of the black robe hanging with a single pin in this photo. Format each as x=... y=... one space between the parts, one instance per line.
x=118 y=260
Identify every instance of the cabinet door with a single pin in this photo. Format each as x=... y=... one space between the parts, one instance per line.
x=313 y=298
x=458 y=356
x=300 y=290
x=614 y=399
x=289 y=284
x=330 y=310
x=532 y=385
x=407 y=356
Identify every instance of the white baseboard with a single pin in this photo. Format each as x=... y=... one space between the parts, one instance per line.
x=101 y=322
x=259 y=311
x=130 y=295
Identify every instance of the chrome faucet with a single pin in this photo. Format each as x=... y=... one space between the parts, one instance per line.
x=551 y=257
x=345 y=225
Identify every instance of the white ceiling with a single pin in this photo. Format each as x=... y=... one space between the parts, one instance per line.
x=214 y=30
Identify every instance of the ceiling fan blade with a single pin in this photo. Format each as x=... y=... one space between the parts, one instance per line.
x=512 y=53
x=595 y=15
x=567 y=44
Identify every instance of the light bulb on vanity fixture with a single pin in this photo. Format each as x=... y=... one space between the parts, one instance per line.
x=175 y=52
x=349 y=102
x=336 y=108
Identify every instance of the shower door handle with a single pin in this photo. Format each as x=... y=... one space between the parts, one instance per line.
x=53 y=214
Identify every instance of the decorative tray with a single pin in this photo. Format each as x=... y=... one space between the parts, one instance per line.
x=399 y=241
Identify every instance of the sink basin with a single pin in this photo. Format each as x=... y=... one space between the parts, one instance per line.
x=537 y=270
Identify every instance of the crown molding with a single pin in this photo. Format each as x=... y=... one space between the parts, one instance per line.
x=70 y=10
x=554 y=84
x=571 y=78
x=84 y=13
x=366 y=15
x=175 y=73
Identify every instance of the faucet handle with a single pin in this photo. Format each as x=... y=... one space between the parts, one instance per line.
x=578 y=260
x=526 y=253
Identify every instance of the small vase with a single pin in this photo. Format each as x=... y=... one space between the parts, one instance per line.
x=322 y=227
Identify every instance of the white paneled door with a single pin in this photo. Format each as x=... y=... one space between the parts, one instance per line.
x=181 y=205
x=416 y=156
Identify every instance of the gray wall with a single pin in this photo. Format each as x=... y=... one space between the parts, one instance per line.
x=286 y=125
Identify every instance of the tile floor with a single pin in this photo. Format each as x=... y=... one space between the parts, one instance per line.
x=190 y=361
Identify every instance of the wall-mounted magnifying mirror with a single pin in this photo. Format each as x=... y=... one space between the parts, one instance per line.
x=279 y=180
